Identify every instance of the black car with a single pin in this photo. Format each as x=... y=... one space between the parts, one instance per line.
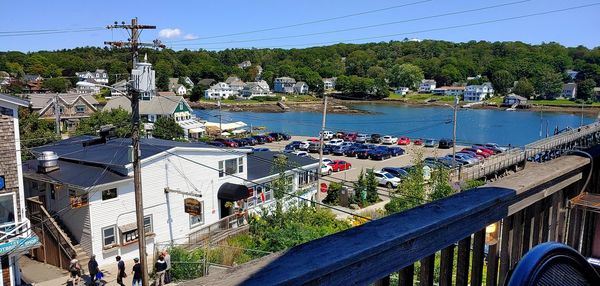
x=276 y=136
x=445 y=144
x=260 y=139
x=314 y=147
x=294 y=145
x=251 y=141
x=397 y=172
x=285 y=136
x=240 y=142
x=363 y=153
x=379 y=154
x=375 y=138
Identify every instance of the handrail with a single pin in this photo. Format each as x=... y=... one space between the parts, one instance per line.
x=55 y=230
x=17 y=226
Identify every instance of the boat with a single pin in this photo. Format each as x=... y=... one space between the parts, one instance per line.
x=513 y=107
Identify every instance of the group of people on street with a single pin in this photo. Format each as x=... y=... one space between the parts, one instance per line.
x=162 y=268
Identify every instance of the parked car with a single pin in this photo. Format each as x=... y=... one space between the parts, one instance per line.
x=326 y=161
x=472 y=154
x=312 y=139
x=396 y=151
x=260 y=139
x=386 y=179
x=445 y=144
x=327 y=135
x=340 y=134
x=268 y=138
x=418 y=141
x=217 y=144
x=389 y=139
x=335 y=142
x=347 y=144
x=495 y=146
x=403 y=140
x=363 y=153
x=351 y=151
x=261 y=149
x=486 y=150
x=326 y=169
x=251 y=141
x=462 y=157
x=339 y=150
x=375 y=138
x=300 y=153
x=240 y=141
x=227 y=142
x=379 y=154
x=293 y=145
x=397 y=172
x=431 y=143
x=313 y=147
x=478 y=152
x=304 y=145
x=490 y=146
x=362 y=138
x=276 y=136
x=350 y=136
x=327 y=150
x=285 y=136
x=340 y=165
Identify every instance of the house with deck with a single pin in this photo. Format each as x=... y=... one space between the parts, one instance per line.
x=220 y=90
x=186 y=188
x=449 y=90
x=329 y=83
x=427 y=85
x=301 y=87
x=284 y=84
x=253 y=89
x=477 y=93
x=177 y=87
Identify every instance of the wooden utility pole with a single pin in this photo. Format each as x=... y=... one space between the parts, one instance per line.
x=321 y=141
x=56 y=114
x=134 y=44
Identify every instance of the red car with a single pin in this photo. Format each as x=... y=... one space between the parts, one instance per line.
x=227 y=142
x=340 y=135
x=351 y=137
x=477 y=151
x=403 y=140
x=491 y=152
x=340 y=165
x=418 y=141
x=313 y=140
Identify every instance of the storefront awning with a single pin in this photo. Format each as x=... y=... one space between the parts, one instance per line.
x=226 y=126
x=232 y=192
x=196 y=130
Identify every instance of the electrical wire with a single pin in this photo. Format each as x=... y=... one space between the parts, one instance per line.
x=19 y=34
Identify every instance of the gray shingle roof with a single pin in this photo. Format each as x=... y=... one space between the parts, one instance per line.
x=42 y=100
x=162 y=105
x=261 y=164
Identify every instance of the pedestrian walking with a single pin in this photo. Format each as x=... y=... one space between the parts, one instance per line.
x=137 y=273
x=160 y=267
x=93 y=269
x=121 y=271
x=75 y=270
x=167 y=257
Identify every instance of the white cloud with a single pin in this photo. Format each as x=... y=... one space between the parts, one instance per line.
x=190 y=37
x=169 y=33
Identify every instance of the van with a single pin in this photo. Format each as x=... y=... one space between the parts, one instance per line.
x=314 y=147
x=445 y=144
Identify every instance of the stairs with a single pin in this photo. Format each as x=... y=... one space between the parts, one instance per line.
x=80 y=254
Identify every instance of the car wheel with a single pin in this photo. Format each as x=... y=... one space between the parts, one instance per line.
x=389 y=185
x=329 y=173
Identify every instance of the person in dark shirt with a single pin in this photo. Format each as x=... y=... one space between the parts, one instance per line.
x=121 y=274
x=137 y=273
x=160 y=267
x=93 y=269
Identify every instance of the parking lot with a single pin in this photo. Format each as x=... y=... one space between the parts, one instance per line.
x=359 y=164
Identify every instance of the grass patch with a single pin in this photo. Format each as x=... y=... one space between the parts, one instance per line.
x=421 y=97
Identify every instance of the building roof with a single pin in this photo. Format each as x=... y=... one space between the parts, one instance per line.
x=31 y=77
x=206 y=81
x=285 y=79
x=162 y=105
x=13 y=100
x=261 y=164
x=231 y=79
x=42 y=101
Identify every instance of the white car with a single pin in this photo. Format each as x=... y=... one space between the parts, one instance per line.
x=304 y=145
x=326 y=169
x=327 y=161
x=327 y=135
x=388 y=139
x=386 y=179
x=362 y=138
x=335 y=142
x=300 y=153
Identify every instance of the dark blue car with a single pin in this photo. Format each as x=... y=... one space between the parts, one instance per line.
x=294 y=145
x=340 y=150
x=217 y=144
x=396 y=151
x=379 y=154
x=260 y=139
x=397 y=172
x=251 y=141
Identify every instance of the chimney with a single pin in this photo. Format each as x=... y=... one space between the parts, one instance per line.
x=47 y=162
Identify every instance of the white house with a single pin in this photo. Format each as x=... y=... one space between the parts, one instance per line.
x=100 y=76
x=219 y=90
x=449 y=90
x=284 y=84
x=476 y=93
x=186 y=187
x=253 y=89
x=177 y=87
x=17 y=237
x=245 y=64
x=301 y=87
x=427 y=85
x=403 y=90
x=235 y=83
x=569 y=90
x=329 y=83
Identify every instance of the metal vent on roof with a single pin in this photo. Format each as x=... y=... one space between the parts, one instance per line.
x=47 y=162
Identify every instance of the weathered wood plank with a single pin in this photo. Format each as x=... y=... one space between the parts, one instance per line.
x=492 y=266
x=505 y=249
x=517 y=237
x=547 y=208
x=478 y=255
x=426 y=271
x=385 y=281
x=527 y=217
x=462 y=261
x=537 y=223
x=446 y=265
x=560 y=221
x=553 y=217
x=406 y=276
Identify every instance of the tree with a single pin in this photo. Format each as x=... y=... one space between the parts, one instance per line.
x=376 y=72
x=359 y=61
x=198 y=92
x=57 y=84
x=163 y=72
x=167 y=128
x=407 y=75
x=448 y=75
x=548 y=82
x=585 y=89
x=502 y=80
x=411 y=189
x=35 y=131
x=119 y=118
x=333 y=193
x=524 y=88
x=440 y=184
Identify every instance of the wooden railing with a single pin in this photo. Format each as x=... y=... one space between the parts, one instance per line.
x=215 y=229
x=528 y=208
x=38 y=215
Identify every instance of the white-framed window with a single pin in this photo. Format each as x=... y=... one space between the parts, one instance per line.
x=109 y=194
x=231 y=166
x=109 y=236
x=133 y=234
x=240 y=164
x=80 y=108
x=7 y=208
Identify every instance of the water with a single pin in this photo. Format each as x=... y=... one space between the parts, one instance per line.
x=474 y=125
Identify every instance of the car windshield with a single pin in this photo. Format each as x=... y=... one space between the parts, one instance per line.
x=388 y=175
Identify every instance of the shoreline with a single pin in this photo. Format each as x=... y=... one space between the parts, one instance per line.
x=345 y=106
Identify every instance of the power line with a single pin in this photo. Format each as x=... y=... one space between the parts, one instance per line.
x=8 y=34
x=309 y=22
x=359 y=27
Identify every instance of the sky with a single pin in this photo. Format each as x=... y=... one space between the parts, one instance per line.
x=217 y=25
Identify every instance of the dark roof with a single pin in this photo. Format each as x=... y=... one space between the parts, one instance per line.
x=261 y=164
x=74 y=174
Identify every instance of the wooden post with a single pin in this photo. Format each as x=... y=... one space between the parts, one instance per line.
x=446 y=265
x=406 y=276
x=492 y=266
x=462 y=262
x=477 y=263
x=426 y=271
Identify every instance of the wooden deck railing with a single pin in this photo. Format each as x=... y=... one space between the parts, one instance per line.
x=39 y=216
x=215 y=229
x=528 y=208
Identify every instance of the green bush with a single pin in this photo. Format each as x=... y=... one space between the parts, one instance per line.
x=266 y=98
x=186 y=264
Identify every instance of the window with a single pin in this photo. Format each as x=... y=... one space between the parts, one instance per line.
x=148 y=224
x=7 y=209
x=231 y=166
x=80 y=108
x=78 y=198
x=109 y=194
x=196 y=220
x=129 y=232
x=240 y=164
x=109 y=236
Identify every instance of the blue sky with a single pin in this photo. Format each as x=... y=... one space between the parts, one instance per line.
x=195 y=21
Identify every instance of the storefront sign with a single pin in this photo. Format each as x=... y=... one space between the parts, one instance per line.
x=193 y=206
x=19 y=245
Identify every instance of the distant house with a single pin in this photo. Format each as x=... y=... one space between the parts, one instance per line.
x=235 y=83
x=118 y=88
x=284 y=84
x=569 y=90
x=99 y=76
x=207 y=81
x=427 y=85
x=403 y=90
x=176 y=87
x=253 y=89
x=220 y=90
x=571 y=74
x=449 y=90
x=4 y=78
x=95 y=88
x=511 y=99
x=189 y=81
x=301 y=88
x=477 y=93
x=72 y=107
x=245 y=64
x=474 y=77
x=33 y=83
x=329 y=83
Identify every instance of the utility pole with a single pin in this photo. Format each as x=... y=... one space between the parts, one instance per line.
x=454 y=133
x=321 y=141
x=56 y=114
x=134 y=44
x=220 y=118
